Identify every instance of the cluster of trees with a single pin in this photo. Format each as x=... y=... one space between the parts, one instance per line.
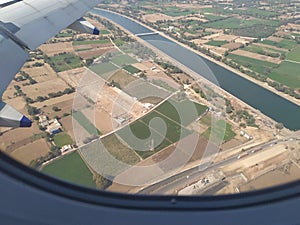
x=247 y=117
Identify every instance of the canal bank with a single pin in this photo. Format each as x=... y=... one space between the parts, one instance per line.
x=270 y=104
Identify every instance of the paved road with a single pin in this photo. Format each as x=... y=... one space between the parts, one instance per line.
x=189 y=176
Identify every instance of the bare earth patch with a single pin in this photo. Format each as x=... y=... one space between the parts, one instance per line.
x=56 y=48
x=257 y=56
x=31 y=151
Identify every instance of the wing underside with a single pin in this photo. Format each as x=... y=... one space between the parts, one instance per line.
x=26 y=25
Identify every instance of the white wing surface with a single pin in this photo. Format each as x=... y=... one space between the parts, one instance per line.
x=26 y=25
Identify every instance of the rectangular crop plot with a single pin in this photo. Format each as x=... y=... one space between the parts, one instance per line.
x=287 y=73
x=64 y=62
x=256 y=65
x=62 y=139
x=104 y=70
x=122 y=60
x=89 y=42
x=71 y=168
x=85 y=123
x=294 y=55
x=162 y=127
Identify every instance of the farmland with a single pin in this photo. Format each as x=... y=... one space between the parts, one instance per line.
x=71 y=168
x=162 y=127
x=62 y=139
x=253 y=64
x=122 y=60
x=103 y=69
x=287 y=73
x=64 y=61
x=85 y=123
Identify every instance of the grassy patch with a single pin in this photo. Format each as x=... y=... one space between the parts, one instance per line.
x=164 y=85
x=287 y=44
x=85 y=123
x=103 y=69
x=64 y=62
x=294 y=55
x=104 y=32
x=89 y=42
x=256 y=65
x=217 y=131
x=71 y=168
x=287 y=73
x=122 y=78
x=131 y=69
x=216 y=43
x=120 y=151
x=62 y=139
x=122 y=60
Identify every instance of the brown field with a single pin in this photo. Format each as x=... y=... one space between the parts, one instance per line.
x=257 y=56
x=273 y=178
x=41 y=74
x=67 y=124
x=44 y=88
x=93 y=52
x=276 y=39
x=218 y=50
x=158 y=16
x=103 y=121
x=9 y=92
x=54 y=101
x=199 y=41
x=56 y=48
x=225 y=37
x=232 y=46
x=31 y=151
x=73 y=77
x=17 y=137
x=65 y=106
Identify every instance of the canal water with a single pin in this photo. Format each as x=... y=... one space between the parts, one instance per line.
x=272 y=105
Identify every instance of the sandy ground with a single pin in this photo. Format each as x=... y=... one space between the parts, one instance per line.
x=67 y=124
x=56 y=48
x=44 y=88
x=232 y=46
x=41 y=74
x=64 y=106
x=225 y=37
x=17 y=137
x=257 y=56
x=273 y=178
x=276 y=39
x=158 y=16
x=74 y=76
x=31 y=151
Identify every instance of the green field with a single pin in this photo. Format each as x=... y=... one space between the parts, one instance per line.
x=89 y=42
x=71 y=168
x=176 y=11
x=104 y=32
x=122 y=78
x=131 y=69
x=258 y=49
x=287 y=73
x=285 y=43
x=216 y=43
x=218 y=131
x=62 y=139
x=122 y=60
x=149 y=131
x=103 y=69
x=253 y=64
x=233 y=23
x=85 y=123
x=294 y=55
x=164 y=85
x=64 y=62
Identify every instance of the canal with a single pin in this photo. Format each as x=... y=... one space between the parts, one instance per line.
x=269 y=103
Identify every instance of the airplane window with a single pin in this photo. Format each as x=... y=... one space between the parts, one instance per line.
x=171 y=98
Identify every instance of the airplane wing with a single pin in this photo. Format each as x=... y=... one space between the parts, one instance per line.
x=26 y=25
